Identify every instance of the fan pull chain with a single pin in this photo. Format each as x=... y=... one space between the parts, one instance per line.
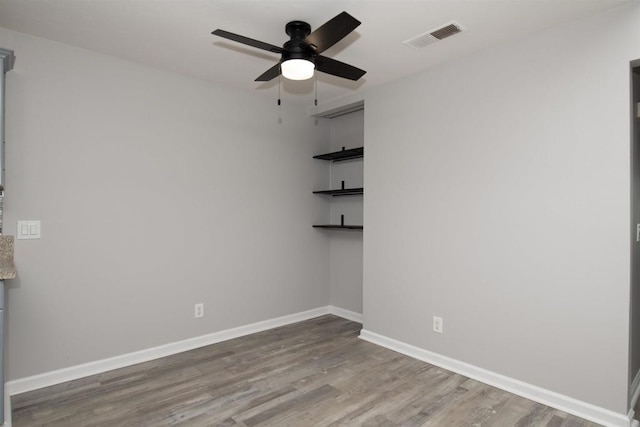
x=315 y=101
x=279 y=84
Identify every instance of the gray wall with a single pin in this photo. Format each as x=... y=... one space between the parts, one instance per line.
x=155 y=192
x=498 y=198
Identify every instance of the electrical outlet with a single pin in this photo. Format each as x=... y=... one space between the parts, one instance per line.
x=437 y=324
x=199 y=310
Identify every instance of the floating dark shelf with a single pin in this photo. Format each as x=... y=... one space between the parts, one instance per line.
x=352 y=153
x=342 y=192
x=339 y=227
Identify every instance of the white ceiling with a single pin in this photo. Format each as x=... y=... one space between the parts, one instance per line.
x=176 y=34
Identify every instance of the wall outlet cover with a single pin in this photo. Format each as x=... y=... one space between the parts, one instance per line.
x=437 y=324
x=199 y=310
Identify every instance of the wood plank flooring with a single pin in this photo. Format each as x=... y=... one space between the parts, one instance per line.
x=312 y=373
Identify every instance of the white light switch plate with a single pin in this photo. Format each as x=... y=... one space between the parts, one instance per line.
x=28 y=230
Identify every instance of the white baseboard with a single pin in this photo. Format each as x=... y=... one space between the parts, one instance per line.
x=550 y=398
x=529 y=391
x=345 y=314
x=46 y=379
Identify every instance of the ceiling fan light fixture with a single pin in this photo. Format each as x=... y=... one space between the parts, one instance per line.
x=300 y=56
x=297 y=69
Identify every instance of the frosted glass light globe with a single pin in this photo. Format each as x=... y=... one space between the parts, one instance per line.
x=297 y=69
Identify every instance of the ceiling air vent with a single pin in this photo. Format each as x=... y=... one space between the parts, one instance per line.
x=434 y=35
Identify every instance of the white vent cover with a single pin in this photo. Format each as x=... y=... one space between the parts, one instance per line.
x=434 y=35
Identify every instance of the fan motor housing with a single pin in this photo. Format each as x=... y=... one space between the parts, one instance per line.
x=296 y=51
x=295 y=48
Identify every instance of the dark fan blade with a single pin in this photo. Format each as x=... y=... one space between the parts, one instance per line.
x=270 y=74
x=331 y=32
x=246 y=40
x=337 y=68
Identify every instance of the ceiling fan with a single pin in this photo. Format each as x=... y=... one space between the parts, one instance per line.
x=301 y=54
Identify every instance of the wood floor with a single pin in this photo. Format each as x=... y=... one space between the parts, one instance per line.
x=312 y=373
